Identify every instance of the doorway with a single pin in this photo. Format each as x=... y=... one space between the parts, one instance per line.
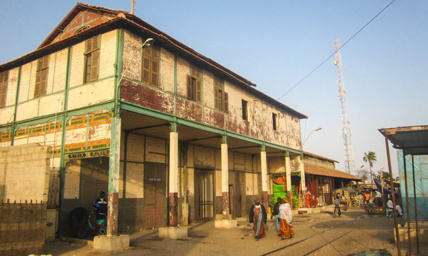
x=154 y=195
x=204 y=194
x=94 y=179
x=237 y=194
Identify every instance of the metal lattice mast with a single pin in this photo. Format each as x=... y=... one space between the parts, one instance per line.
x=346 y=132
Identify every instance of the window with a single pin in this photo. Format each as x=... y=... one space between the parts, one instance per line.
x=274 y=121
x=41 y=76
x=194 y=85
x=3 y=87
x=92 y=59
x=221 y=97
x=151 y=65
x=245 y=110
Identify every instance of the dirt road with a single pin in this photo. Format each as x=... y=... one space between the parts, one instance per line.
x=316 y=234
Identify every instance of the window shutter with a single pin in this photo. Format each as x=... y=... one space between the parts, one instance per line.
x=37 y=87
x=217 y=95
x=89 y=45
x=198 y=91
x=225 y=106
x=3 y=95
x=94 y=65
x=43 y=82
x=155 y=65
x=3 y=87
x=146 y=69
x=189 y=88
x=95 y=43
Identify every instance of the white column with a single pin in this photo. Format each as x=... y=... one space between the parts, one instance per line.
x=225 y=180
x=288 y=172
x=302 y=174
x=264 y=171
x=263 y=162
x=173 y=179
x=173 y=162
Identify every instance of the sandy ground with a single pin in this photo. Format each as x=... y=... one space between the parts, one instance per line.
x=315 y=234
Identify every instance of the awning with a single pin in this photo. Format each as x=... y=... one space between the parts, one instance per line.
x=324 y=171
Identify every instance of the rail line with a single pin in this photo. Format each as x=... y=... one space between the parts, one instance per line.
x=307 y=238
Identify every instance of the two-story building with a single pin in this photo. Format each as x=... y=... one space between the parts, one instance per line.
x=171 y=135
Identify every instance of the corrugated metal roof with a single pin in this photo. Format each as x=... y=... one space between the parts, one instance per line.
x=320 y=157
x=324 y=171
x=412 y=139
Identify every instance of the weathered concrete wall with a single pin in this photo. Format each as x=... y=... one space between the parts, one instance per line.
x=318 y=161
x=54 y=100
x=24 y=172
x=276 y=164
x=174 y=72
x=72 y=179
x=132 y=54
x=166 y=79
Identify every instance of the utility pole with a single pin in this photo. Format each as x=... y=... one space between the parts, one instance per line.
x=346 y=130
x=133 y=6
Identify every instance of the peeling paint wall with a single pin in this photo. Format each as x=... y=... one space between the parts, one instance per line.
x=132 y=55
x=166 y=80
x=318 y=162
x=174 y=72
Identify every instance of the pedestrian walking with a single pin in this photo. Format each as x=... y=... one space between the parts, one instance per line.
x=285 y=219
x=276 y=212
x=258 y=217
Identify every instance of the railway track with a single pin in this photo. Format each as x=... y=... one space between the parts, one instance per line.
x=282 y=249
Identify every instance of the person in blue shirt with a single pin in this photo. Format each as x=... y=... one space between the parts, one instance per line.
x=100 y=206
x=276 y=212
x=337 y=207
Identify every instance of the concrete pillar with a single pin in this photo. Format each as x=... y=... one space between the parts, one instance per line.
x=225 y=180
x=263 y=162
x=303 y=181
x=113 y=178
x=173 y=179
x=288 y=177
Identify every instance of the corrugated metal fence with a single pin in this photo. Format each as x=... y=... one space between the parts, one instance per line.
x=22 y=228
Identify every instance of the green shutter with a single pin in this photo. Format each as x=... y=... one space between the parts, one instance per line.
x=94 y=65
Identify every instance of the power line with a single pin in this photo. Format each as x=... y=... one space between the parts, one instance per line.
x=322 y=63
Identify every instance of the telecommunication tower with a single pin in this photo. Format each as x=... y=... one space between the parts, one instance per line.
x=346 y=132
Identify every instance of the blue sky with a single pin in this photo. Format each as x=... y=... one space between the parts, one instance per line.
x=275 y=44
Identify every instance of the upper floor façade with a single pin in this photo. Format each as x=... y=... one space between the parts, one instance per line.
x=95 y=56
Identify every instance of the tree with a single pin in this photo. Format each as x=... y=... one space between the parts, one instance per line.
x=370 y=157
x=385 y=175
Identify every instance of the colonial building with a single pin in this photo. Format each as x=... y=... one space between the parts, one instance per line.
x=119 y=106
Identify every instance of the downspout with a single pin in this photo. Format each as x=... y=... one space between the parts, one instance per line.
x=63 y=137
x=12 y=138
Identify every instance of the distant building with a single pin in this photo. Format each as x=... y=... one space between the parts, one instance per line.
x=322 y=179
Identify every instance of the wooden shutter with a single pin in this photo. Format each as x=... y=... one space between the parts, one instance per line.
x=95 y=59
x=155 y=72
x=146 y=69
x=217 y=95
x=3 y=90
x=198 y=91
x=189 y=88
x=95 y=44
x=225 y=104
x=3 y=87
